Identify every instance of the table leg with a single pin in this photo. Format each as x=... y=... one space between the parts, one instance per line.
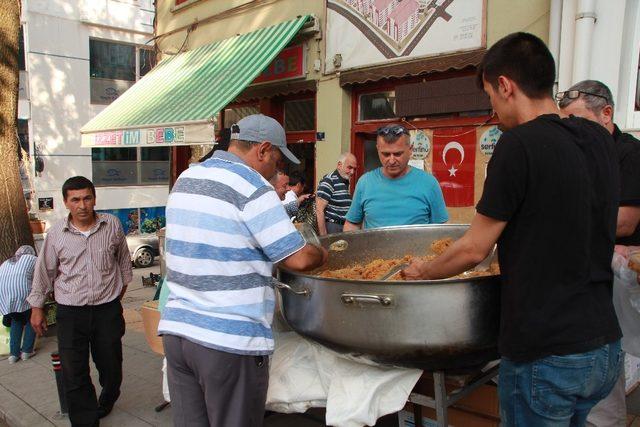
x=440 y=394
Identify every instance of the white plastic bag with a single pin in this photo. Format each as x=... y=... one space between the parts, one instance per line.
x=626 y=300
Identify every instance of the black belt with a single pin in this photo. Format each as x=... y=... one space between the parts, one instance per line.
x=334 y=221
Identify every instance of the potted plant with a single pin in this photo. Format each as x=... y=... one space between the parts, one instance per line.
x=37 y=225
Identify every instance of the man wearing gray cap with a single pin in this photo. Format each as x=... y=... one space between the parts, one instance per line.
x=226 y=227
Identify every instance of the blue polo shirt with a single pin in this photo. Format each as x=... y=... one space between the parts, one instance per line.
x=415 y=198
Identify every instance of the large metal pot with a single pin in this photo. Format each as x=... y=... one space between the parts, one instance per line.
x=447 y=324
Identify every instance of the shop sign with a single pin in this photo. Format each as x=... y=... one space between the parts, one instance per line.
x=489 y=140
x=288 y=64
x=150 y=136
x=421 y=144
x=362 y=33
x=45 y=203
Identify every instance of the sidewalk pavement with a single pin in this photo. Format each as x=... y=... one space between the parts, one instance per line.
x=28 y=394
x=29 y=397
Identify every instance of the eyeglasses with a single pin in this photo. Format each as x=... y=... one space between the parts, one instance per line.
x=395 y=130
x=575 y=94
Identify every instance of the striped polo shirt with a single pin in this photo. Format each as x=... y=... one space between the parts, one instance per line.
x=15 y=284
x=334 y=189
x=226 y=227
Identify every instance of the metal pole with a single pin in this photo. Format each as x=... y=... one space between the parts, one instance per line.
x=440 y=393
x=57 y=370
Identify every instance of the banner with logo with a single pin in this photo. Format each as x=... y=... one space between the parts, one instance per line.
x=454 y=164
x=361 y=33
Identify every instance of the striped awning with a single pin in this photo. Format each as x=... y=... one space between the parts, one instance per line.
x=177 y=102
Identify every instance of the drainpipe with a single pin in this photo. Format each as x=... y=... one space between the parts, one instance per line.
x=567 y=35
x=585 y=23
x=555 y=26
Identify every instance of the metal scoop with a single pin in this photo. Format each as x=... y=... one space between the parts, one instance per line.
x=339 y=245
x=393 y=271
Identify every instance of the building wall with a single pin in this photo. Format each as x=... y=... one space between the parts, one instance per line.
x=57 y=37
x=225 y=18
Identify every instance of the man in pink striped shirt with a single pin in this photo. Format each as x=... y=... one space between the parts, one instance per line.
x=86 y=263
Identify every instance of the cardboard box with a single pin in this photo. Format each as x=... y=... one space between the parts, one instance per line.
x=150 y=319
x=631 y=372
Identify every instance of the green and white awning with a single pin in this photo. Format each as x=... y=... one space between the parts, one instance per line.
x=176 y=103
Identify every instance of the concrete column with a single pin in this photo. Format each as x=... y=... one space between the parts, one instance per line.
x=333 y=117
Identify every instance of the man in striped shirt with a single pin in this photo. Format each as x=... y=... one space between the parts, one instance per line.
x=226 y=227
x=85 y=261
x=334 y=198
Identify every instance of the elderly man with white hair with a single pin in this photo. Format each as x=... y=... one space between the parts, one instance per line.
x=334 y=198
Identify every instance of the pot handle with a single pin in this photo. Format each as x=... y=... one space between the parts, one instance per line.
x=304 y=292
x=352 y=299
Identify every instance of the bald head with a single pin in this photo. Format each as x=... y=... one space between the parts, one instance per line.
x=347 y=165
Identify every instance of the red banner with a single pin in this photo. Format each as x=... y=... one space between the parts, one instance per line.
x=454 y=164
x=289 y=63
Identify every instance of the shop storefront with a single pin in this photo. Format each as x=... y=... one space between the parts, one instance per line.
x=282 y=92
x=415 y=65
x=192 y=98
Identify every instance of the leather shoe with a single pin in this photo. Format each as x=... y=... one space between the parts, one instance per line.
x=104 y=411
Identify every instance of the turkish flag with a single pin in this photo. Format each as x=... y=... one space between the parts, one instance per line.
x=454 y=164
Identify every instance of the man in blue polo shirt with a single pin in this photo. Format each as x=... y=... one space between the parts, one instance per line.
x=226 y=227
x=396 y=193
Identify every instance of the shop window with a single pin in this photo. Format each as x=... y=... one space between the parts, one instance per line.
x=377 y=106
x=300 y=115
x=130 y=166
x=371 y=158
x=139 y=220
x=115 y=67
x=233 y=115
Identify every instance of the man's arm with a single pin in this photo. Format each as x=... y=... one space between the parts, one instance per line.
x=291 y=208
x=44 y=276
x=628 y=220
x=307 y=258
x=465 y=253
x=350 y=226
x=321 y=205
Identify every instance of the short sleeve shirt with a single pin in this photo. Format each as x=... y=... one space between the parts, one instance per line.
x=555 y=182
x=628 y=150
x=226 y=227
x=415 y=198
x=334 y=189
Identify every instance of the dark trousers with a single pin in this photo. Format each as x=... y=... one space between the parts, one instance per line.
x=211 y=388
x=97 y=330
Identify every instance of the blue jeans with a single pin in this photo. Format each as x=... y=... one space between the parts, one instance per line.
x=17 y=342
x=557 y=390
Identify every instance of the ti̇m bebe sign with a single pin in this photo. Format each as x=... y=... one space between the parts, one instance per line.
x=288 y=64
x=151 y=136
x=182 y=134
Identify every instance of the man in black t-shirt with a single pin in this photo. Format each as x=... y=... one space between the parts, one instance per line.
x=593 y=100
x=550 y=202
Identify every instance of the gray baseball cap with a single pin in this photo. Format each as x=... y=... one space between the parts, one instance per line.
x=259 y=128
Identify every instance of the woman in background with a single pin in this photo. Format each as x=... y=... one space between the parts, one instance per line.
x=16 y=275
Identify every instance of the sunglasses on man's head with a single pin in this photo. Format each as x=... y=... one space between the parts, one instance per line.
x=395 y=130
x=575 y=94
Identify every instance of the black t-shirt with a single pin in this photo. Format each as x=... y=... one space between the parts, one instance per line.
x=556 y=184
x=628 y=149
